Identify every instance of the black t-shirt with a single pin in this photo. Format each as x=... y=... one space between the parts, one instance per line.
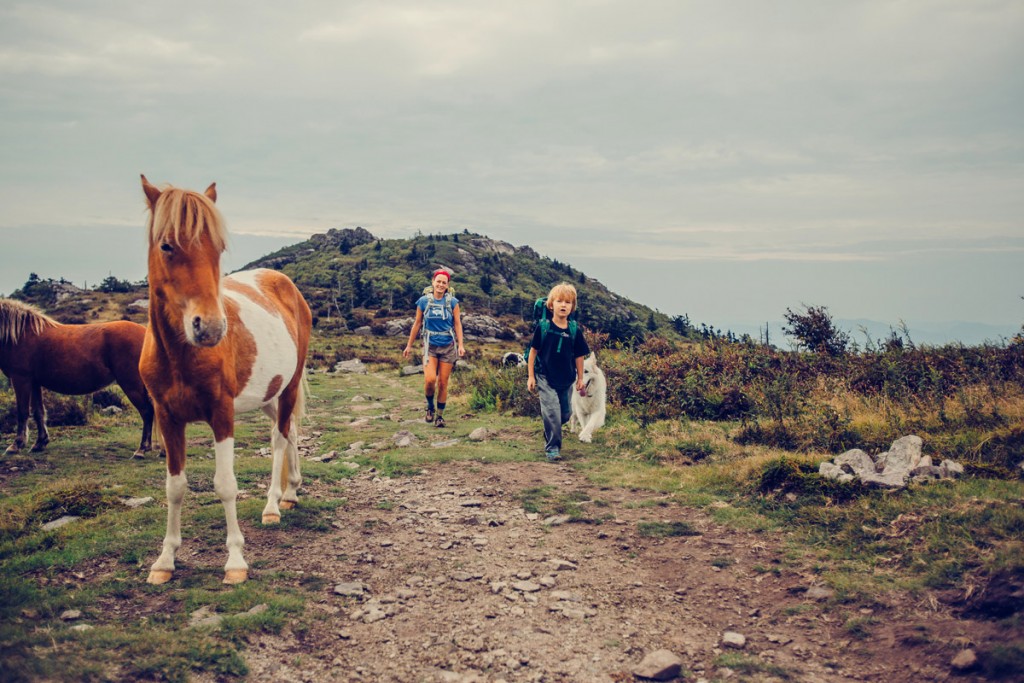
x=559 y=366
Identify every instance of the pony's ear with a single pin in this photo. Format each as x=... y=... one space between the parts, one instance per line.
x=152 y=194
x=211 y=192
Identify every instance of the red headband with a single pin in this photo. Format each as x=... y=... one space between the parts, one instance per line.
x=441 y=271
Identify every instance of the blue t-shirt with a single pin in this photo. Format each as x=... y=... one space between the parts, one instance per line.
x=438 y=318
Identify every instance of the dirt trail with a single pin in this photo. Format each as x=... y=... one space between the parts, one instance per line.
x=461 y=584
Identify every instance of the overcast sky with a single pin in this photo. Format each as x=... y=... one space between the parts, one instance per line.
x=722 y=159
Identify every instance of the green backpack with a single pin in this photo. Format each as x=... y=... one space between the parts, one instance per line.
x=542 y=319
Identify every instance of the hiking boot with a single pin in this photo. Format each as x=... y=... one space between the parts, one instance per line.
x=439 y=422
x=553 y=455
x=430 y=415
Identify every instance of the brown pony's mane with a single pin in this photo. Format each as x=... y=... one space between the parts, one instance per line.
x=18 y=318
x=184 y=216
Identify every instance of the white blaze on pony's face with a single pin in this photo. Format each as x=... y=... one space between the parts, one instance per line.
x=186 y=240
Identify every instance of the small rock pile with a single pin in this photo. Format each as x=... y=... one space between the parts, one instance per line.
x=894 y=469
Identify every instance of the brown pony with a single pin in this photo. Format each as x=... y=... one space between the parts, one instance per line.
x=37 y=352
x=216 y=347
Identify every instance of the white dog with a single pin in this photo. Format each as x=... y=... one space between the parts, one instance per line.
x=588 y=411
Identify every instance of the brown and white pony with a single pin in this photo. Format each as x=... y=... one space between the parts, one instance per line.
x=37 y=352
x=215 y=347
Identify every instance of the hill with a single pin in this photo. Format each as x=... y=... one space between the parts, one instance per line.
x=353 y=279
x=350 y=278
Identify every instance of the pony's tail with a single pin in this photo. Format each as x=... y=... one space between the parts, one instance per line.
x=300 y=401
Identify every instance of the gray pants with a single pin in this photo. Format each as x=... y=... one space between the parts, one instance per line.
x=555 y=411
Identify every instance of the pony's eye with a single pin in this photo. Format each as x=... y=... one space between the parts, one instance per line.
x=166 y=248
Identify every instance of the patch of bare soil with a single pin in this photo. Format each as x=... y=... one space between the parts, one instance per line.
x=460 y=584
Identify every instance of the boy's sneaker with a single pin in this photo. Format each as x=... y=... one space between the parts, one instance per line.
x=439 y=422
x=553 y=455
x=430 y=415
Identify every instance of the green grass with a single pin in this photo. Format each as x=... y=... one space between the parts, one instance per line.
x=548 y=501
x=666 y=529
x=747 y=665
x=863 y=543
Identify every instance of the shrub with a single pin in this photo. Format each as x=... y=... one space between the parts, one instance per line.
x=104 y=398
x=61 y=411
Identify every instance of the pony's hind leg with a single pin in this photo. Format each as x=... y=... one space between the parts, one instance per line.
x=140 y=399
x=39 y=413
x=286 y=432
x=22 y=396
x=293 y=476
x=272 y=511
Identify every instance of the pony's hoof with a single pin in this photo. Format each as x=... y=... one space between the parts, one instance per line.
x=138 y=455
x=234 y=576
x=286 y=504
x=12 y=450
x=38 y=448
x=158 y=576
x=271 y=519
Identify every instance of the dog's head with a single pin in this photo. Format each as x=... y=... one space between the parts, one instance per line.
x=590 y=371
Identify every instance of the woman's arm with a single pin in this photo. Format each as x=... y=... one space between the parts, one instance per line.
x=412 y=333
x=457 y=324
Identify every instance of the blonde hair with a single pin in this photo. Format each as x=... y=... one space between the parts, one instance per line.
x=563 y=292
x=184 y=217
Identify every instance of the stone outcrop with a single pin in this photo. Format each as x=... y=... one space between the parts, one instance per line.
x=482 y=327
x=475 y=327
x=901 y=464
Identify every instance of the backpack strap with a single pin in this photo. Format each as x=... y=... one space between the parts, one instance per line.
x=450 y=315
x=545 y=325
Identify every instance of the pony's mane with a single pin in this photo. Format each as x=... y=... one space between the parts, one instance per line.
x=184 y=217
x=18 y=318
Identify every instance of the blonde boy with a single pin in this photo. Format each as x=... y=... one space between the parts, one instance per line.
x=555 y=365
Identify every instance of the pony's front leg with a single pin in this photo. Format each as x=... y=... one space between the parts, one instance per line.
x=39 y=413
x=174 y=446
x=236 y=570
x=224 y=483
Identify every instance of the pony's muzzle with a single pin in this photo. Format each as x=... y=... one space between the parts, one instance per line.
x=206 y=332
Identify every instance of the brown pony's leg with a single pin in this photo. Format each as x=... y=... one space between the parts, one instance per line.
x=236 y=570
x=22 y=395
x=39 y=413
x=173 y=435
x=139 y=398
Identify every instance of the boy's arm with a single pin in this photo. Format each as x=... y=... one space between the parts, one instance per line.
x=579 y=373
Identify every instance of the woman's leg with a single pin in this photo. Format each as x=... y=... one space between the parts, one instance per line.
x=429 y=384
x=442 y=381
